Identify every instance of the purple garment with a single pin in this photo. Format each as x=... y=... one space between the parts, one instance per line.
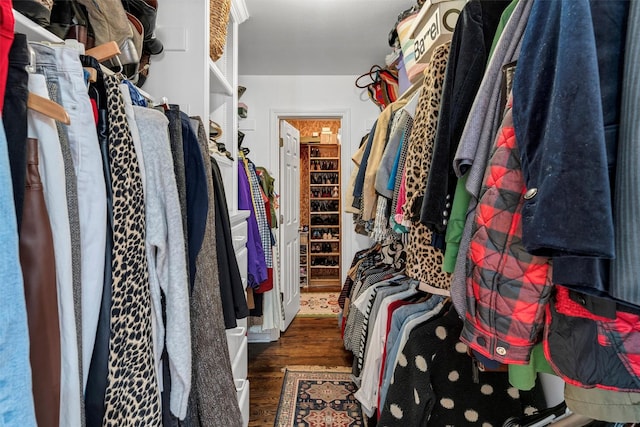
x=257 y=266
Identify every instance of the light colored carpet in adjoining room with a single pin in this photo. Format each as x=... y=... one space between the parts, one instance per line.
x=319 y=304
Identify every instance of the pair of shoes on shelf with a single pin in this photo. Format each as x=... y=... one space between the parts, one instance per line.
x=324 y=262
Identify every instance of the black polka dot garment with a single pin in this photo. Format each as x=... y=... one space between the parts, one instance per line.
x=433 y=383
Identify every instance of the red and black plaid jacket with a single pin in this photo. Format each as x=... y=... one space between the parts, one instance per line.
x=507 y=288
x=589 y=350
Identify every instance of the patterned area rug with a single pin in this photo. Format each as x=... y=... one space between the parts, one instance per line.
x=319 y=304
x=318 y=399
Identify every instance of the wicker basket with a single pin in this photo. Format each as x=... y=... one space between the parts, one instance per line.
x=218 y=19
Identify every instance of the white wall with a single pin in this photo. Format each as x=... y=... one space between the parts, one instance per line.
x=313 y=95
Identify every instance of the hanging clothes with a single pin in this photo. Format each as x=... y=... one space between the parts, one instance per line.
x=234 y=302
x=424 y=261
x=212 y=401
x=38 y=259
x=70 y=294
x=196 y=193
x=99 y=367
x=625 y=267
x=478 y=135
x=164 y=244
x=594 y=119
x=15 y=112
x=435 y=367
x=132 y=394
x=499 y=268
x=16 y=398
x=257 y=266
x=470 y=46
x=257 y=197
x=92 y=209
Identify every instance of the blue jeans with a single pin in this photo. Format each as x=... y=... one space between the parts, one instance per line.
x=16 y=399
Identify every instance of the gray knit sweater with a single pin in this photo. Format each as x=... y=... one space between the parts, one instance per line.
x=165 y=256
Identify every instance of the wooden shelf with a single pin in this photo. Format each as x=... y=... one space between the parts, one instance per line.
x=320 y=144
x=304 y=257
x=328 y=155
x=310 y=140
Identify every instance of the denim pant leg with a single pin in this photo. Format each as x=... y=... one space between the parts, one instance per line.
x=92 y=199
x=71 y=412
x=16 y=398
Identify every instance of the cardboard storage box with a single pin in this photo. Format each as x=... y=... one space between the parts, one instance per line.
x=328 y=138
x=434 y=26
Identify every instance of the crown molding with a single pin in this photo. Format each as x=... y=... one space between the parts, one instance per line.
x=239 y=11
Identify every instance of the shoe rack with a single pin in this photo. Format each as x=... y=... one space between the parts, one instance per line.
x=325 y=228
x=304 y=257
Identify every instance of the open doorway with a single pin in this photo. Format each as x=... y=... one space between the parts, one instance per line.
x=320 y=203
x=319 y=264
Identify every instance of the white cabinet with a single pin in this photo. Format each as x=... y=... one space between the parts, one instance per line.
x=237 y=337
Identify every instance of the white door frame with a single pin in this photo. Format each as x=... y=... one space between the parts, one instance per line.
x=276 y=114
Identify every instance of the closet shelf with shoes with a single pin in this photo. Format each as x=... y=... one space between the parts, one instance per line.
x=324 y=214
x=305 y=250
x=37 y=33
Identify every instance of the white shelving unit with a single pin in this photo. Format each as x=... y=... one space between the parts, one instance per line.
x=36 y=33
x=219 y=83
x=33 y=31
x=208 y=89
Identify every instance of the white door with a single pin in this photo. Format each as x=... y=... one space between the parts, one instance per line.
x=290 y=220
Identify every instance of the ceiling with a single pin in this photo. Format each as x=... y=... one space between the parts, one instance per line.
x=316 y=37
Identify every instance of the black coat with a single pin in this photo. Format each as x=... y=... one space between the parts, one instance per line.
x=234 y=302
x=470 y=47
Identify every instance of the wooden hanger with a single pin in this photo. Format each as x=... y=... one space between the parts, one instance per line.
x=48 y=108
x=43 y=105
x=93 y=74
x=104 y=51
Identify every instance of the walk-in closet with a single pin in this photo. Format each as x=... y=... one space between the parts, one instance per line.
x=321 y=213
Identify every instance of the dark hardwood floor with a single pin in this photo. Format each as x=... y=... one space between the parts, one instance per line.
x=307 y=341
